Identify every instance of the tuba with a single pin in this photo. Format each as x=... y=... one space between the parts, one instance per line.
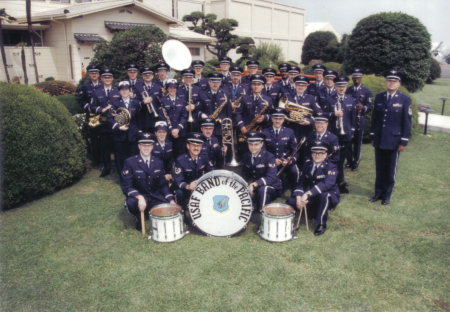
x=297 y=112
x=122 y=116
x=228 y=138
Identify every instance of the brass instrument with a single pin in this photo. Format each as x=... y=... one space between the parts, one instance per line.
x=169 y=123
x=339 y=120
x=150 y=107
x=227 y=128
x=190 y=119
x=122 y=116
x=252 y=125
x=297 y=148
x=216 y=113
x=234 y=105
x=97 y=120
x=297 y=113
x=164 y=91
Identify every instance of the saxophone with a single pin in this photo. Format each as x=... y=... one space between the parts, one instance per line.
x=216 y=113
x=252 y=124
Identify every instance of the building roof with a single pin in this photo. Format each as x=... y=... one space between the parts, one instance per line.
x=123 y=26
x=81 y=9
x=87 y=37
x=186 y=35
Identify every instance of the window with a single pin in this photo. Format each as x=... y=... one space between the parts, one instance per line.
x=194 y=51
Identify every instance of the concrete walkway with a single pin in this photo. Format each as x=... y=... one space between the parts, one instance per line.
x=436 y=122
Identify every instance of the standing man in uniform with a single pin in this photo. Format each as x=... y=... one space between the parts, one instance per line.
x=199 y=80
x=260 y=166
x=225 y=63
x=85 y=100
x=235 y=89
x=163 y=148
x=143 y=182
x=162 y=69
x=270 y=88
x=363 y=97
x=252 y=66
x=183 y=92
x=284 y=72
x=101 y=104
x=313 y=89
x=390 y=132
x=328 y=91
x=316 y=189
x=148 y=94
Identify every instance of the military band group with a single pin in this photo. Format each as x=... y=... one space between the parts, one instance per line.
x=176 y=132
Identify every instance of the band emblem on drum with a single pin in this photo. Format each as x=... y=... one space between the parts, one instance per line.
x=221 y=203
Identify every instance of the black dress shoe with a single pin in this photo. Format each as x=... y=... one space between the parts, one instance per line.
x=320 y=229
x=386 y=201
x=139 y=226
x=343 y=188
x=374 y=199
x=354 y=169
x=347 y=166
x=104 y=173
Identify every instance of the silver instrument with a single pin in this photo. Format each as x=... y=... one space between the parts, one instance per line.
x=176 y=54
x=339 y=120
x=227 y=128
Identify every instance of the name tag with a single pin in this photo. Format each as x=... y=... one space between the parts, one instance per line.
x=139 y=171
x=260 y=166
x=397 y=105
x=157 y=171
x=320 y=176
x=284 y=139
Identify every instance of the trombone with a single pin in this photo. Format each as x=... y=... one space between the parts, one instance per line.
x=228 y=138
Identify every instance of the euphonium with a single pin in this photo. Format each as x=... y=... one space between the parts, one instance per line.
x=228 y=138
x=297 y=113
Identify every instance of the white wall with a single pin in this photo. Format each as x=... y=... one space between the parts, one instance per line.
x=44 y=59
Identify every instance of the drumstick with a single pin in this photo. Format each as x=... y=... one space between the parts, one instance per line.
x=306 y=216
x=143 y=223
x=299 y=217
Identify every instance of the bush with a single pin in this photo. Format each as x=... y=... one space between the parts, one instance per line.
x=292 y=62
x=209 y=68
x=70 y=101
x=56 y=87
x=42 y=148
x=49 y=79
x=435 y=71
x=377 y=85
x=270 y=50
x=213 y=62
x=264 y=62
x=391 y=40
x=321 y=45
x=307 y=70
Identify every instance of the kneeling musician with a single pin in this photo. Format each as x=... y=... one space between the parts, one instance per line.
x=144 y=182
x=316 y=189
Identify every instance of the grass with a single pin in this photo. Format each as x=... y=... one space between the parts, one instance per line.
x=77 y=250
x=432 y=92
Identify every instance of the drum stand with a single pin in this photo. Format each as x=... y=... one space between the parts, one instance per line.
x=300 y=217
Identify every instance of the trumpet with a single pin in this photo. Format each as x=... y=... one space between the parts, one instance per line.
x=339 y=120
x=228 y=138
x=190 y=119
x=297 y=113
x=150 y=107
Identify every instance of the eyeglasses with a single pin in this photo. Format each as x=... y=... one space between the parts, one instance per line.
x=318 y=153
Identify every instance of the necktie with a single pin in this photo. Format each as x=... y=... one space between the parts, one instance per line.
x=95 y=86
x=147 y=162
x=313 y=169
x=318 y=136
x=329 y=92
x=214 y=97
x=126 y=104
x=389 y=98
x=107 y=93
x=209 y=141
x=253 y=160
x=195 y=162
x=276 y=133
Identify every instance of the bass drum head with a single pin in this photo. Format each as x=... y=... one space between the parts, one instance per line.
x=165 y=210
x=221 y=204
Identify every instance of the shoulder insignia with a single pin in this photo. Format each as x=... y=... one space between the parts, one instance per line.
x=125 y=172
x=211 y=163
x=272 y=165
x=81 y=92
x=140 y=160
x=177 y=170
x=410 y=110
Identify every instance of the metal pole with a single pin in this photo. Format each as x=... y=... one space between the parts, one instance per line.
x=443 y=106
x=426 y=124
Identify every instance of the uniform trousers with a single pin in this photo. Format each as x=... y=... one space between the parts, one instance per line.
x=106 y=146
x=95 y=144
x=343 y=149
x=354 y=150
x=317 y=206
x=124 y=150
x=292 y=175
x=386 y=162
x=179 y=145
x=264 y=195
x=131 y=204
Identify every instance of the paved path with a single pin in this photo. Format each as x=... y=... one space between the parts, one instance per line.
x=445 y=71
x=436 y=122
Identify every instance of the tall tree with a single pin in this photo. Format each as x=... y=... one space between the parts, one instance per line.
x=24 y=61
x=8 y=18
x=30 y=32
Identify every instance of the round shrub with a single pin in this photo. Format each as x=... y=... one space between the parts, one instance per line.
x=320 y=45
x=391 y=40
x=213 y=62
x=377 y=85
x=435 y=71
x=56 y=87
x=42 y=148
x=70 y=101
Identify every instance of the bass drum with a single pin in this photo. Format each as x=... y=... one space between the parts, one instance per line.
x=221 y=204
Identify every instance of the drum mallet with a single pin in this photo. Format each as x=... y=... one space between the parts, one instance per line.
x=143 y=223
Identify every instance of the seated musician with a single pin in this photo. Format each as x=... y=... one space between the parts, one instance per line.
x=281 y=142
x=322 y=134
x=260 y=166
x=173 y=110
x=163 y=148
x=143 y=182
x=189 y=167
x=316 y=189
x=212 y=147
x=305 y=126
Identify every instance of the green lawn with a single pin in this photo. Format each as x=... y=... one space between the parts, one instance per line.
x=77 y=250
x=432 y=92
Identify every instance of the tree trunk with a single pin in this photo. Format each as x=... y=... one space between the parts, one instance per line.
x=30 y=32
x=24 y=66
x=212 y=52
x=2 y=48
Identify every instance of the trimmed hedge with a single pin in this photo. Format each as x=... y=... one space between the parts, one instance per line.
x=56 y=87
x=435 y=71
x=377 y=85
x=43 y=150
x=70 y=101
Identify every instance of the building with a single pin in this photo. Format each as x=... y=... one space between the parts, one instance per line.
x=66 y=31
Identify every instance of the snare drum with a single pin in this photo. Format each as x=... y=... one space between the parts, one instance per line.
x=167 y=223
x=277 y=223
x=221 y=204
